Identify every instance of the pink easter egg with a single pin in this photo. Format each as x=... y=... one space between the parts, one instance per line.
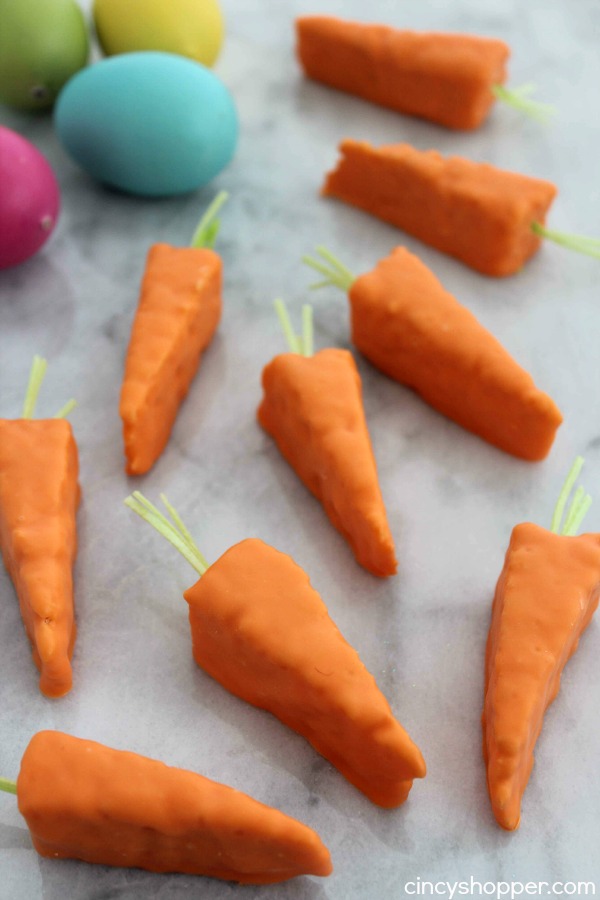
x=29 y=199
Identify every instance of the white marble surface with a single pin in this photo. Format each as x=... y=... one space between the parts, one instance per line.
x=452 y=499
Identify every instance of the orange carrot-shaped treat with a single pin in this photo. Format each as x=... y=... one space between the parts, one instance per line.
x=490 y=219
x=82 y=800
x=450 y=79
x=39 y=495
x=312 y=407
x=414 y=331
x=545 y=597
x=178 y=313
x=261 y=630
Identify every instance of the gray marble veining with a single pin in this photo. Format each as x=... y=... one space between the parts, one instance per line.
x=452 y=500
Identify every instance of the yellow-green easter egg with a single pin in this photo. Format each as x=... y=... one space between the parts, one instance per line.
x=192 y=28
x=42 y=43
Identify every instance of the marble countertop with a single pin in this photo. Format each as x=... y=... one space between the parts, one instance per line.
x=452 y=499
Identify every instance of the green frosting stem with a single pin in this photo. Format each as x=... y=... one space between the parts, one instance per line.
x=307 y=330
x=185 y=534
x=66 y=409
x=208 y=227
x=176 y=534
x=286 y=326
x=578 y=507
x=36 y=376
x=335 y=272
x=10 y=787
x=303 y=343
x=519 y=99
x=577 y=242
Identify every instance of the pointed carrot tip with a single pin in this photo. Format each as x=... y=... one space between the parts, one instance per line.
x=508 y=822
x=323 y=868
x=420 y=768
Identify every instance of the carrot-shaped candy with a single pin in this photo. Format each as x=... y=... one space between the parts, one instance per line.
x=261 y=630
x=178 y=312
x=312 y=407
x=39 y=495
x=545 y=597
x=82 y=800
x=488 y=218
x=414 y=331
x=450 y=79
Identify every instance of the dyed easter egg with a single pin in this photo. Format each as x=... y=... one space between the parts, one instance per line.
x=42 y=43
x=192 y=28
x=29 y=199
x=150 y=123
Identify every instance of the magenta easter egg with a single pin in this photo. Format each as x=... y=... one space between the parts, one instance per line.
x=29 y=199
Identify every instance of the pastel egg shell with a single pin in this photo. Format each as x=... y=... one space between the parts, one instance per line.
x=42 y=44
x=192 y=28
x=29 y=199
x=150 y=123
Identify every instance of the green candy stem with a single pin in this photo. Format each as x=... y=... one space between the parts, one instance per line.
x=9 y=787
x=578 y=507
x=577 y=242
x=66 y=409
x=175 y=532
x=185 y=534
x=286 y=326
x=335 y=272
x=208 y=227
x=36 y=376
x=302 y=344
x=519 y=99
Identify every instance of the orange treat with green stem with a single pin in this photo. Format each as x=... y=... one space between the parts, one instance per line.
x=39 y=495
x=486 y=217
x=446 y=78
x=261 y=630
x=178 y=313
x=312 y=407
x=82 y=800
x=416 y=332
x=545 y=598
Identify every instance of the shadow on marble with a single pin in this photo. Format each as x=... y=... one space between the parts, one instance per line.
x=37 y=299
x=83 y=881
x=12 y=838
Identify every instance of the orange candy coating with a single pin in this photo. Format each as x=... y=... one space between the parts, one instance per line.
x=313 y=409
x=546 y=595
x=82 y=800
x=475 y=212
x=446 y=78
x=39 y=495
x=178 y=312
x=262 y=631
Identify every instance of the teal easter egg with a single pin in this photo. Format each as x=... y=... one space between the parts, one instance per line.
x=152 y=124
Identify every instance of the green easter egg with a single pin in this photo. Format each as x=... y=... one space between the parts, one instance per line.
x=42 y=43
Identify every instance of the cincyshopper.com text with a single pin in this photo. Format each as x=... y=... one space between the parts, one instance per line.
x=499 y=889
